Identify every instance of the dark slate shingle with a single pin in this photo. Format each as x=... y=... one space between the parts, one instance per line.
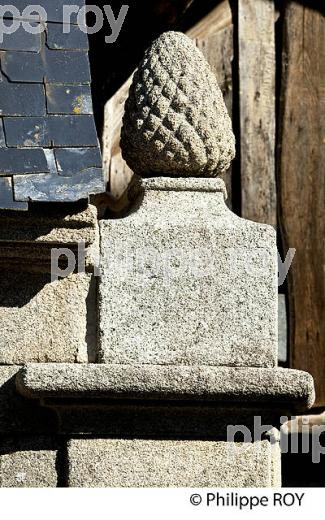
x=21 y=39
x=58 y=131
x=19 y=99
x=26 y=131
x=72 y=131
x=15 y=160
x=22 y=66
x=6 y=196
x=68 y=99
x=46 y=188
x=66 y=67
x=66 y=37
x=69 y=160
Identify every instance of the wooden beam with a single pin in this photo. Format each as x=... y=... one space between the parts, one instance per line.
x=256 y=35
x=213 y=35
x=302 y=185
x=218 y=19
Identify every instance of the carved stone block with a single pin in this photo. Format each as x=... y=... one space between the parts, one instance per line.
x=161 y=463
x=185 y=281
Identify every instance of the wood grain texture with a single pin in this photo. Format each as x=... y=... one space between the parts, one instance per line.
x=117 y=172
x=302 y=185
x=213 y=35
x=257 y=109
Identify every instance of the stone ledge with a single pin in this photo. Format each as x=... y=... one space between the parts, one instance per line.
x=187 y=184
x=28 y=239
x=276 y=388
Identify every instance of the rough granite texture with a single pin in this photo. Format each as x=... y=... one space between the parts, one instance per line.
x=44 y=321
x=54 y=225
x=185 y=281
x=28 y=462
x=165 y=463
x=176 y=122
x=26 y=240
x=224 y=384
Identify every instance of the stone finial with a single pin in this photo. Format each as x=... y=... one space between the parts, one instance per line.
x=176 y=122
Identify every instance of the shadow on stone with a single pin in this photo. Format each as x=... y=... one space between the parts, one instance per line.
x=18 y=289
x=44 y=320
x=19 y=415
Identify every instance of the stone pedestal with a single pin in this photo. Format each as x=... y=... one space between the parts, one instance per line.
x=188 y=313
x=185 y=281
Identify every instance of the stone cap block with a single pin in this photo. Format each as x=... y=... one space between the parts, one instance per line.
x=185 y=281
x=279 y=388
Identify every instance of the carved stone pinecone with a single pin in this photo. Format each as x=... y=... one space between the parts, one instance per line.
x=176 y=122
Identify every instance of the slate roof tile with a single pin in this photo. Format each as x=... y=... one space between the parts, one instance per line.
x=68 y=99
x=20 y=39
x=48 y=187
x=7 y=198
x=16 y=160
x=26 y=132
x=70 y=131
x=22 y=66
x=66 y=37
x=68 y=159
x=22 y=99
x=53 y=8
x=66 y=67
x=49 y=150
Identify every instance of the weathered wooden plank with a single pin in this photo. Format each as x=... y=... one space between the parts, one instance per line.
x=257 y=109
x=214 y=36
x=116 y=170
x=302 y=185
x=218 y=19
x=282 y=329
